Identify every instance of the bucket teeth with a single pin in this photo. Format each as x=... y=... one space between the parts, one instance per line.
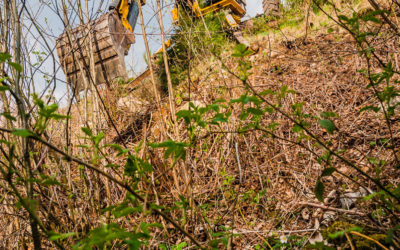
x=104 y=41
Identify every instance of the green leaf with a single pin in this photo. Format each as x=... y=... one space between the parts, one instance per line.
x=389 y=237
x=328 y=114
x=16 y=66
x=370 y=196
x=22 y=132
x=8 y=116
x=272 y=126
x=111 y=165
x=255 y=111
x=97 y=139
x=172 y=148
x=328 y=171
x=87 y=131
x=123 y=212
x=341 y=233
x=118 y=148
x=3 y=87
x=4 y=57
x=373 y=108
x=59 y=117
x=130 y=166
x=296 y=128
x=6 y=142
x=49 y=181
x=267 y=92
x=328 y=125
x=219 y=118
x=28 y=204
x=241 y=50
x=319 y=190
x=57 y=236
x=343 y=17
x=180 y=246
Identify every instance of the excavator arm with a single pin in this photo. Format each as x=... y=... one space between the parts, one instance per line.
x=235 y=7
x=128 y=10
x=234 y=11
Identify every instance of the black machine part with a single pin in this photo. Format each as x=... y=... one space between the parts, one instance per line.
x=113 y=5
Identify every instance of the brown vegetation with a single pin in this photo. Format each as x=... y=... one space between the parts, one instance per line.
x=251 y=185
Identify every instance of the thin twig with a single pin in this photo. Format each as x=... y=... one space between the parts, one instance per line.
x=333 y=208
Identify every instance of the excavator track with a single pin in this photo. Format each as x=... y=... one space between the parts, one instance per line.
x=109 y=41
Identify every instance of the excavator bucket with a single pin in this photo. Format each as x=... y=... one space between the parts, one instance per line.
x=271 y=7
x=109 y=41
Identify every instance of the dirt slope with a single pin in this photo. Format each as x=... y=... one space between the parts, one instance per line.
x=262 y=187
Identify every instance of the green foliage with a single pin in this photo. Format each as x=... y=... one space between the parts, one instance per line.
x=16 y=66
x=175 y=149
x=193 y=41
x=256 y=111
x=22 y=132
x=3 y=88
x=109 y=234
x=195 y=117
x=4 y=57
x=135 y=165
x=60 y=237
x=319 y=190
x=46 y=180
x=390 y=233
x=179 y=246
x=241 y=51
x=260 y=25
x=220 y=239
x=46 y=113
x=328 y=125
x=328 y=172
x=341 y=233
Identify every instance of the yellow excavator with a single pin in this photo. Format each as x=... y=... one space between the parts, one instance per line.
x=105 y=41
x=233 y=10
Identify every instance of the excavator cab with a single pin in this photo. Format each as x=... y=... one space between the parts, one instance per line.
x=235 y=9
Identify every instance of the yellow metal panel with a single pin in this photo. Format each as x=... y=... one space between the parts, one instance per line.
x=124 y=11
x=231 y=21
x=175 y=15
x=236 y=8
x=167 y=45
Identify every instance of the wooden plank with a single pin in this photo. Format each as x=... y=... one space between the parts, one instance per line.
x=140 y=78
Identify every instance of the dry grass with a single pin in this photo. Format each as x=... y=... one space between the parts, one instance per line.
x=255 y=185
